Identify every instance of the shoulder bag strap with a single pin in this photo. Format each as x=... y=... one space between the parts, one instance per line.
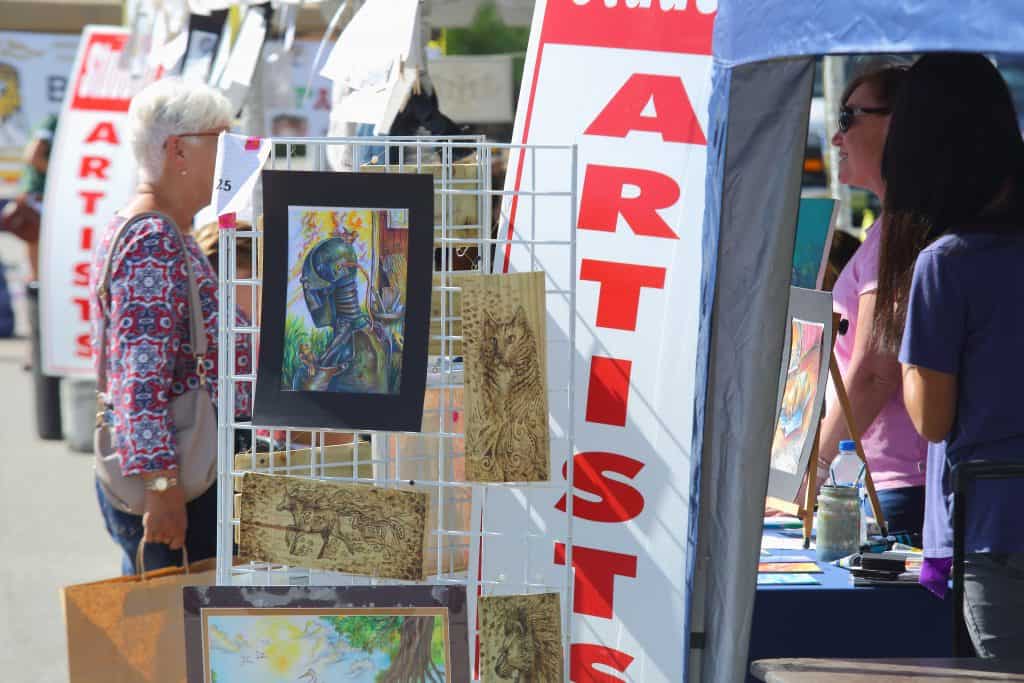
x=197 y=328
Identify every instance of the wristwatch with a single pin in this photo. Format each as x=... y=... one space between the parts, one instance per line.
x=159 y=484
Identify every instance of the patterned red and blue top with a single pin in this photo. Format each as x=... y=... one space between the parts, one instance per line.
x=149 y=359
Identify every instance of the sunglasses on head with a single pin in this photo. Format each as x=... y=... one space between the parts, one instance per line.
x=847 y=115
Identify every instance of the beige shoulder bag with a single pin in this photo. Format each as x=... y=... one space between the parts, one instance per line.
x=192 y=413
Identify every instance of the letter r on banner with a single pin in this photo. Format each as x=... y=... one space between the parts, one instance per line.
x=604 y=199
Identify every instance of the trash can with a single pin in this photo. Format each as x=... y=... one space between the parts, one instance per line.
x=47 y=389
x=78 y=412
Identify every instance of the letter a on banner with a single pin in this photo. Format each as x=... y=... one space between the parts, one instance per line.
x=639 y=121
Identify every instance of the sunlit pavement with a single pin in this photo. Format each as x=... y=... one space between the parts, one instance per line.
x=51 y=533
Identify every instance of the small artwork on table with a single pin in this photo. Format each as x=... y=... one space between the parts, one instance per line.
x=521 y=638
x=786 y=580
x=346 y=300
x=364 y=634
x=504 y=341
x=802 y=383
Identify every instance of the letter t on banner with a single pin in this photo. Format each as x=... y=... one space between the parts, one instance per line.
x=239 y=161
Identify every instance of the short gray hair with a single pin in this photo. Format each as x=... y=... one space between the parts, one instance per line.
x=168 y=107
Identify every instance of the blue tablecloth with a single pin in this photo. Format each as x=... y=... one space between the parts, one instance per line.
x=835 y=619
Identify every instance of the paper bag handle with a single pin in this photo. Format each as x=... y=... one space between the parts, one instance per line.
x=140 y=565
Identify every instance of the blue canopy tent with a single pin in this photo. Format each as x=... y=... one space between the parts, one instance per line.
x=763 y=69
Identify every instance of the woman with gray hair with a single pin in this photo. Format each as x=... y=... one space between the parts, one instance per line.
x=141 y=284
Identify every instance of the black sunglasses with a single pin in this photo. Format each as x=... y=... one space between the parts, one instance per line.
x=847 y=115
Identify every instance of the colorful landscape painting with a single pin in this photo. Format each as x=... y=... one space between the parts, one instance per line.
x=324 y=646
x=794 y=428
x=345 y=314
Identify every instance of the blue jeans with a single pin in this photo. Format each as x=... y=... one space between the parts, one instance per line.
x=904 y=511
x=126 y=530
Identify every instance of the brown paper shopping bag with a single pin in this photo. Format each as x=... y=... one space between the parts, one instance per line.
x=131 y=629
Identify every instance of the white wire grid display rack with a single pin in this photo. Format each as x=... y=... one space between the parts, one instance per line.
x=431 y=460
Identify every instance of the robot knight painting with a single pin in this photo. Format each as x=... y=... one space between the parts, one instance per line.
x=345 y=315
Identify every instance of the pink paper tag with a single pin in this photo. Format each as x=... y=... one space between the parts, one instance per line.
x=252 y=145
x=226 y=222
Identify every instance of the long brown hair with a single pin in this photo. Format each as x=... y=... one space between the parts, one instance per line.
x=954 y=147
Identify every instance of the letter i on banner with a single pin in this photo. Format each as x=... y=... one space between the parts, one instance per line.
x=239 y=161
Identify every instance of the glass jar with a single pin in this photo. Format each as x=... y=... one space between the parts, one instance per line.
x=838 y=533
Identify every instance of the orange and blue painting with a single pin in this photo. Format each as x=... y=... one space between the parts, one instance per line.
x=794 y=428
x=345 y=315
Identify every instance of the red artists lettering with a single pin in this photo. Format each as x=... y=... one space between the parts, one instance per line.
x=608 y=391
x=83 y=346
x=95 y=167
x=80 y=277
x=583 y=657
x=83 y=308
x=104 y=132
x=652 y=103
x=603 y=200
x=91 y=200
x=618 y=300
x=617 y=501
x=594 y=588
x=85 y=239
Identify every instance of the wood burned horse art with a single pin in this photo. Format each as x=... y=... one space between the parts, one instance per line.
x=353 y=528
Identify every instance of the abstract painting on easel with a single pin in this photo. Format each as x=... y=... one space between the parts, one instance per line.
x=802 y=383
x=794 y=426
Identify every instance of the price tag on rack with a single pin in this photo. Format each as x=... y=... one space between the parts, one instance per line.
x=239 y=161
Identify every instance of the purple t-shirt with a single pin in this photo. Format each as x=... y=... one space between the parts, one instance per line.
x=963 y=319
x=895 y=451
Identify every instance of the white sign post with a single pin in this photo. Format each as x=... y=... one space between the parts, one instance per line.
x=91 y=174
x=629 y=83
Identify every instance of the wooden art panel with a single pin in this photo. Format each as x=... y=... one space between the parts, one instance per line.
x=353 y=528
x=521 y=638
x=503 y=323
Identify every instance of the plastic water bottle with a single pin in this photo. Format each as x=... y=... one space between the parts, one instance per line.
x=846 y=469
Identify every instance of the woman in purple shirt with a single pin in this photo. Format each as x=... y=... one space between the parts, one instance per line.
x=954 y=172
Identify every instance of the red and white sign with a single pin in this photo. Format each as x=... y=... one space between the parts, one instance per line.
x=91 y=174
x=628 y=81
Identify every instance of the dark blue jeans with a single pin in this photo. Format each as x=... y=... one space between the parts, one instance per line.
x=126 y=530
x=904 y=511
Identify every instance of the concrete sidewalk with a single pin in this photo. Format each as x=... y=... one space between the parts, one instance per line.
x=51 y=532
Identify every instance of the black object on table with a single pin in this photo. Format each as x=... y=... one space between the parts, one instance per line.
x=963 y=475
x=838 y=620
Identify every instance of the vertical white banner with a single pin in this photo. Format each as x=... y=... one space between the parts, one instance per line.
x=91 y=175
x=629 y=83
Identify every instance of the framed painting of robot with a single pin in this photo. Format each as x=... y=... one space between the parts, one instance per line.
x=346 y=300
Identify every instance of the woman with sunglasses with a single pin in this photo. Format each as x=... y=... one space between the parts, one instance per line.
x=895 y=452
x=954 y=174
x=173 y=128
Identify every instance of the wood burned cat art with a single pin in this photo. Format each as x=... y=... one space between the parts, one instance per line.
x=504 y=341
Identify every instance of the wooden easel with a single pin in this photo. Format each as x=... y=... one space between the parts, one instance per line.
x=806 y=511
